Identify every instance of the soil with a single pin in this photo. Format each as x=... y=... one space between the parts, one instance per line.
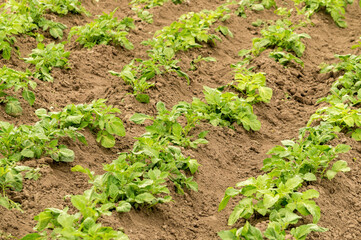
x=231 y=155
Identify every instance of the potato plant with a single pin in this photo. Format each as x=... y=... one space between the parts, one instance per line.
x=344 y=97
x=56 y=223
x=140 y=7
x=47 y=57
x=42 y=138
x=336 y=8
x=63 y=7
x=255 y=5
x=281 y=36
x=189 y=31
x=103 y=30
x=276 y=194
x=167 y=126
x=224 y=109
x=15 y=80
x=252 y=85
x=30 y=14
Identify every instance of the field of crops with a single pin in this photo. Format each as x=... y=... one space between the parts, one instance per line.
x=180 y=119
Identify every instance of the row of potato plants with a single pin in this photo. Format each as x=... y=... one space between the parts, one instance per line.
x=277 y=194
x=42 y=139
x=189 y=31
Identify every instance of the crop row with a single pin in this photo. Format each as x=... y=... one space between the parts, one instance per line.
x=277 y=193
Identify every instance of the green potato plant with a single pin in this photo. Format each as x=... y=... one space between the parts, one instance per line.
x=103 y=30
x=47 y=57
x=336 y=8
x=15 y=80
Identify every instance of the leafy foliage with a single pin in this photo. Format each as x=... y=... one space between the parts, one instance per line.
x=168 y=126
x=194 y=62
x=96 y=115
x=340 y=115
x=16 y=80
x=345 y=94
x=280 y=35
x=347 y=87
x=104 y=29
x=11 y=179
x=275 y=193
x=255 y=5
x=336 y=8
x=140 y=6
x=55 y=223
x=34 y=141
x=285 y=58
x=224 y=109
x=252 y=85
x=9 y=25
x=47 y=57
x=63 y=7
x=29 y=17
x=188 y=32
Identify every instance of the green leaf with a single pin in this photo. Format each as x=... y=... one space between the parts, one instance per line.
x=342 y=148
x=193 y=165
x=255 y=124
x=265 y=94
x=339 y=166
x=79 y=202
x=116 y=128
x=269 y=200
x=66 y=155
x=27 y=153
x=43 y=219
x=74 y=119
x=350 y=122
x=294 y=182
x=244 y=209
x=144 y=198
x=250 y=232
x=124 y=206
x=32 y=236
x=29 y=96
x=309 y=177
x=13 y=108
x=106 y=139
x=311 y=193
x=357 y=134
x=168 y=52
x=224 y=203
x=203 y=134
x=4 y=202
x=139 y=118
x=315 y=210
x=228 y=235
x=301 y=232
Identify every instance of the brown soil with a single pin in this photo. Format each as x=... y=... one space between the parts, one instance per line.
x=230 y=156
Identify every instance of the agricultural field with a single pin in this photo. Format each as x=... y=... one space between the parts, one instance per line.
x=180 y=119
